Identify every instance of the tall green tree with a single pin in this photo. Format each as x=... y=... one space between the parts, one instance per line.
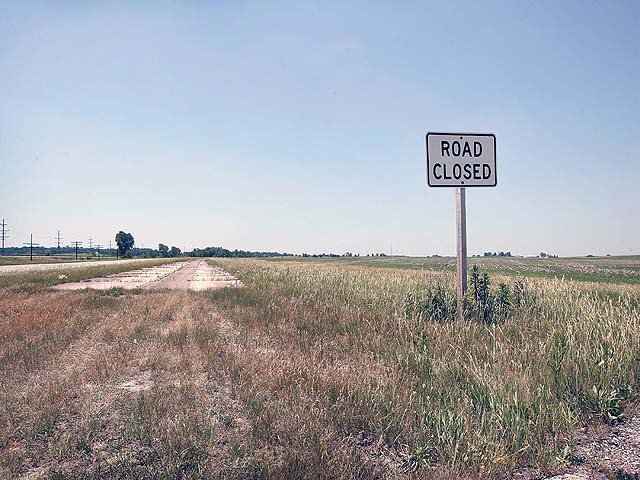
x=163 y=249
x=175 y=252
x=125 y=242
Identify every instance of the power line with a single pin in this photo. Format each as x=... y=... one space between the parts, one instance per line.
x=76 y=244
x=30 y=244
x=3 y=233
x=58 y=237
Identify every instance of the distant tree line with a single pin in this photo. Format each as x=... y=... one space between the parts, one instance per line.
x=167 y=252
x=223 y=252
x=164 y=251
x=496 y=254
x=125 y=248
x=329 y=255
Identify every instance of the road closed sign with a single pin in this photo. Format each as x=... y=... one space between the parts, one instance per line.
x=461 y=160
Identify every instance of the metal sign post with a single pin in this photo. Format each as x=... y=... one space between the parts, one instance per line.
x=461 y=160
x=461 y=248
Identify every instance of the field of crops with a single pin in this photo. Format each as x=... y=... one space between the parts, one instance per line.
x=622 y=269
x=314 y=369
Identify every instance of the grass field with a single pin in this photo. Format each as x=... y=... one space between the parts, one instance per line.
x=619 y=269
x=316 y=369
x=13 y=260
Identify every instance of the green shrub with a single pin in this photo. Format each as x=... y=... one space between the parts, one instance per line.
x=438 y=303
x=497 y=305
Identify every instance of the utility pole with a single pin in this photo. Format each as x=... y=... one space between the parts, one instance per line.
x=30 y=244
x=58 y=237
x=89 y=243
x=98 y=247
x=3 y=233
x=76 y=244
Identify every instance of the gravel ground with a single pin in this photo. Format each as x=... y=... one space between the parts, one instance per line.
x=609 y=452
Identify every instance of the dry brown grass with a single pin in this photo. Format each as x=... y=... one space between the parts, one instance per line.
x=311 y=371
x=115 y=386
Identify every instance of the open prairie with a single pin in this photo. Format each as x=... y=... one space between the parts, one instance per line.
x=324 y=369
x=618 y=269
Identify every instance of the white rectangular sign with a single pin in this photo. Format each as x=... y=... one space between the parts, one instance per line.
x=461 y=160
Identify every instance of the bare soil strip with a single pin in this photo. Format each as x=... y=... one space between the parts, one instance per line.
x=190 y=275
x=607 y=452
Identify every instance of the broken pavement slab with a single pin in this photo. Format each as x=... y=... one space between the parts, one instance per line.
x=188 y=275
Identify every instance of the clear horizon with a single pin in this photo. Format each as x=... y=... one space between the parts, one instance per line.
x=300 y=127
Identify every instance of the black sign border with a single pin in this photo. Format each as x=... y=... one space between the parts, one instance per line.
x=495 y=154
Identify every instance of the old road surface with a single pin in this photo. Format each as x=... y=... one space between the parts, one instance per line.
x=189 y=275
x=39 y=267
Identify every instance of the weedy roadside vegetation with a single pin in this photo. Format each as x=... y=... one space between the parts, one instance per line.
x=373 y=360
x=114 y=384
x=614 y=270
x=313 y=370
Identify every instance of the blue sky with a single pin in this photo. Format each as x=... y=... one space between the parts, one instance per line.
x=299 y=126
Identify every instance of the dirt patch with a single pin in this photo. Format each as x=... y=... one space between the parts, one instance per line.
x=616 y=450
x=580 y=473
x=607 y=452
x=139 y=383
